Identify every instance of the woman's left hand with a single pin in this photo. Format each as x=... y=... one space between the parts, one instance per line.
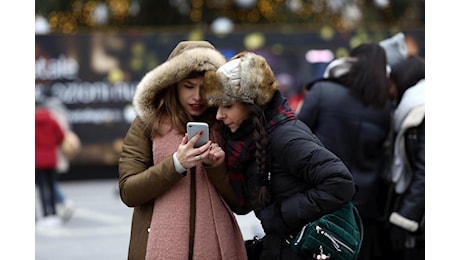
x=214 y=156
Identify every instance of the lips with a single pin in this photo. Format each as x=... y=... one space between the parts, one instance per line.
x=196 y=107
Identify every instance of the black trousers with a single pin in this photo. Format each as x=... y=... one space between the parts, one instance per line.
x=45 y=180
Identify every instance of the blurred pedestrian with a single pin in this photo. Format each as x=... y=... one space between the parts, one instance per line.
x=67 y=151
x=49 y=135
x=350 y=110
x=275 y=163
x=407 y=213
x=178 y=209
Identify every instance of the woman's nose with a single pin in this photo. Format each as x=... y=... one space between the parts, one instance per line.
x=197 y=94
x=219 y=115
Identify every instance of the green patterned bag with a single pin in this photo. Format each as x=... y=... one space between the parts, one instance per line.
x=337 y=235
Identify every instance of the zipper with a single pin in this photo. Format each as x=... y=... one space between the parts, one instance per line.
x=300 y=235
x=336 y=242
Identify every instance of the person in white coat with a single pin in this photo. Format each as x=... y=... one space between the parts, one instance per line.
x=407 y=212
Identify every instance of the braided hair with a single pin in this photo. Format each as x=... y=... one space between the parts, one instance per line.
x=261 y=196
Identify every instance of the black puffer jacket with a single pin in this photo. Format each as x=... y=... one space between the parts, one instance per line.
x=354 y=132
x=306 y=179
x=306 y=182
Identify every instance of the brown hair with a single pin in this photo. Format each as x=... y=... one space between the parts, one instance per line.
x=167 y=108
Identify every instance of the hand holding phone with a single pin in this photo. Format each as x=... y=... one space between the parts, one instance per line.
x=194 y=128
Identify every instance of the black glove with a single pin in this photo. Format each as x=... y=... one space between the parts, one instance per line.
x=398 y=237
x=272 y=222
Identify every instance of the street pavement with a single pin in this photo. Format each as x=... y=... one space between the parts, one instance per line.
x=99 y=228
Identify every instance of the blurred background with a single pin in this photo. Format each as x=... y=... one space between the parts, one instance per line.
x=91 y=54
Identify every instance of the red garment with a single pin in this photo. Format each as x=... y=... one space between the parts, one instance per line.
x=48 y=136
x=295 y=101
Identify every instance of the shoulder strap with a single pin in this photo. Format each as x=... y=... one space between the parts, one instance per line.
x=361 y=229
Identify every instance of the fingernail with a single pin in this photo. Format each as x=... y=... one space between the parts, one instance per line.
x=200 y=133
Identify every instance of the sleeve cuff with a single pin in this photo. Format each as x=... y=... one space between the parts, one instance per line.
x=405 y=223
x=179 y=168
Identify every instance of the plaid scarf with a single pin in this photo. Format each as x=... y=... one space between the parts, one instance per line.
x=240 y=146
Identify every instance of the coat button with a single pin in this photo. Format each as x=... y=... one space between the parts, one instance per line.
x=148 y=230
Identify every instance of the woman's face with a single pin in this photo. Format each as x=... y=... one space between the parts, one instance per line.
x=233 y=115
x=190 y=96
x=393 y=90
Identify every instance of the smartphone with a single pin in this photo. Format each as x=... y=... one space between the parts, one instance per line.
x=194 y=128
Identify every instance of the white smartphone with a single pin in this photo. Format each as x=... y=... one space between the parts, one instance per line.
x=195 y=127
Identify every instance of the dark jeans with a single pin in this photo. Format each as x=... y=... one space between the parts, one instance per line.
x=59 y=195
x=45 y=180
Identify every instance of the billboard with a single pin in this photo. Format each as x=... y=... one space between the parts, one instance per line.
x=95 y=74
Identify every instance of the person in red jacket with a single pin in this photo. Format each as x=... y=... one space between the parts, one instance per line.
x=48 y=136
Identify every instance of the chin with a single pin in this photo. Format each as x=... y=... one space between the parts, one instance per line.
x=196 y=113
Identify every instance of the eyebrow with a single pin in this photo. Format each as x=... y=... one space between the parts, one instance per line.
x=189 y=80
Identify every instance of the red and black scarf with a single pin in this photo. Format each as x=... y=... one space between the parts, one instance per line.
x=240 y=146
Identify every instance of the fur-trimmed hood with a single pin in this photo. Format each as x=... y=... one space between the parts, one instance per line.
x=246 y=78
x=187 y=56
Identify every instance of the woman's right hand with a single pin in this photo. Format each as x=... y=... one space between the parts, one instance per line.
x=189 y=156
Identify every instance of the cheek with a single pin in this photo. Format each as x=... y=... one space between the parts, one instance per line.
x=181 y=93
x=182 y=99
x=243 y=115
x=239 y=119
x=393 y=91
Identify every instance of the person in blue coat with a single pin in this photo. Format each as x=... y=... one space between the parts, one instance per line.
x=276 y=165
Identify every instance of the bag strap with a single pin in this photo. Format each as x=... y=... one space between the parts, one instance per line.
x=360 y=226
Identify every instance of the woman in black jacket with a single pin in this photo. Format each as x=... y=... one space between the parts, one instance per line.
x=275 y=164
x=350 y=112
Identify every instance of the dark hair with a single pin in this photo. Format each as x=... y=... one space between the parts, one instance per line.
x=367 y=78
x=257 y=116
x=407 y=73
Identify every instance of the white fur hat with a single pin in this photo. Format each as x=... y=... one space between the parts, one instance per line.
x=246 y=78
x=395 y=48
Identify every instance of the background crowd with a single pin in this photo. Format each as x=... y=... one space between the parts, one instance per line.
x=368 y=109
